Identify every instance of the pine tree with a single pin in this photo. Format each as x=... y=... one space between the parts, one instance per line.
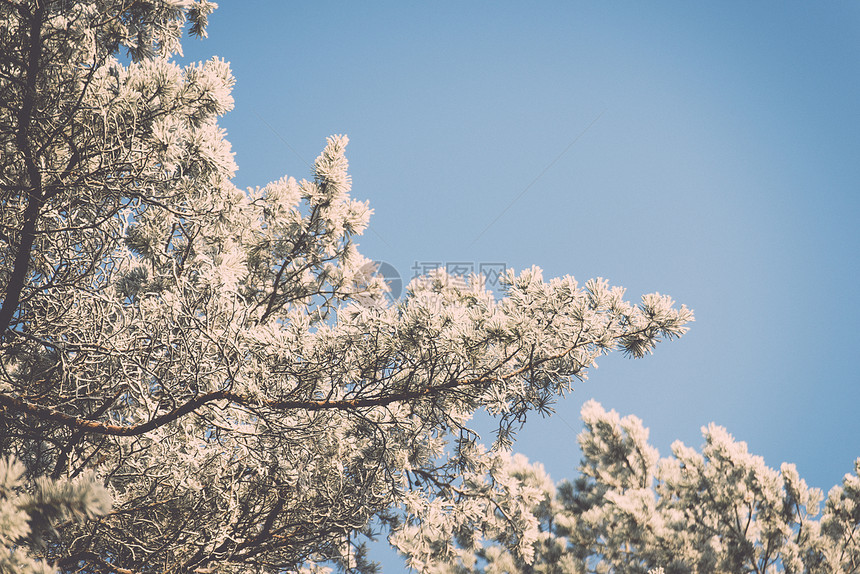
x=26 y=517
x=721 y=510
x=219 y=358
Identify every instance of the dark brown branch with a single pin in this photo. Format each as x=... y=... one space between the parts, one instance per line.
x=95 y=427
x=18 y=277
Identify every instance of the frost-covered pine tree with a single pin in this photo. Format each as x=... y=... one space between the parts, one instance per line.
x=28 y=516
x=219 y=358
x=721 y=510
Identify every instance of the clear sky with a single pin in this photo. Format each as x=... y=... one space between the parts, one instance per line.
x=704 y=150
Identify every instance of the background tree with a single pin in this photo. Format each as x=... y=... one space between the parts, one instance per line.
x=718 y=510
x=27 y=517
x=222 y=360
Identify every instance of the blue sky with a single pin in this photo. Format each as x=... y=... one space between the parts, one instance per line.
x=720 y=167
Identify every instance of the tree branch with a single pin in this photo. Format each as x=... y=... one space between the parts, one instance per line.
x=95 y=427
x=18 y=276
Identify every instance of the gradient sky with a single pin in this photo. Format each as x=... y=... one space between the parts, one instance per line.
x=704 y=150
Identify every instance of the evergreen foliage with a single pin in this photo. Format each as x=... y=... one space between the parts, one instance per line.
x=27 y=515
x=721 y=510
x=219 y=359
